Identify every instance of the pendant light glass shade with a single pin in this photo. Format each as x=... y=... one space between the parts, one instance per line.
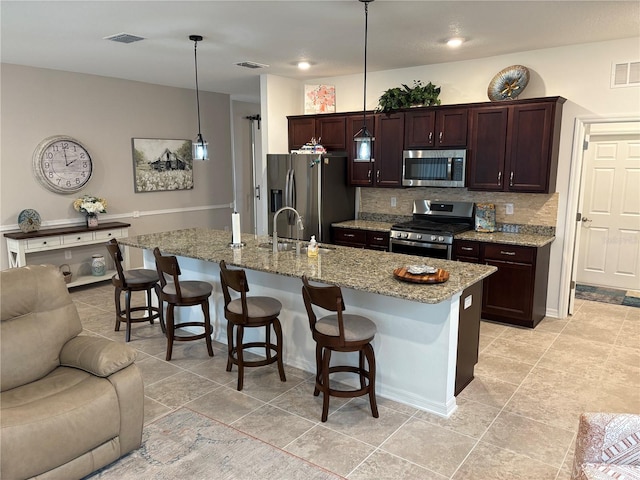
x=199 y=145
x=200 y=149
x=363 y=139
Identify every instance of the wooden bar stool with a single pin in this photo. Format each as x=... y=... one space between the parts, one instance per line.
x=248 y=312
x=129 y=281
x=182 y=294
x=339 y=332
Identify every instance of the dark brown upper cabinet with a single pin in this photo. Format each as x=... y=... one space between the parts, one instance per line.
x=438 y=127
x=329 y=130
x=514 y=147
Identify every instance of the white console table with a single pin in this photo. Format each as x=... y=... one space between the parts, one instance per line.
x=20 y=245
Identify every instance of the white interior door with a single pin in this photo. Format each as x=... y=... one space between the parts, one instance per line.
x=609 y=248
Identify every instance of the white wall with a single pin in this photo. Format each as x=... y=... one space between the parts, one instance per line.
x=243 y=160
x=104 y=114
x=580 y=73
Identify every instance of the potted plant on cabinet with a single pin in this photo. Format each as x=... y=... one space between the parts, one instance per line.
x=405 y=97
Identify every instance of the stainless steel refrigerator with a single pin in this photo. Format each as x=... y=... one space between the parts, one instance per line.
x=316 y=186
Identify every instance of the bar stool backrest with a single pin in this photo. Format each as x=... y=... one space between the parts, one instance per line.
x=235 y=280
x=167 y=265
x=116 y=255
x=328 y=298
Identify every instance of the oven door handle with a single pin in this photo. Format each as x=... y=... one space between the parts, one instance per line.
x=434 y=246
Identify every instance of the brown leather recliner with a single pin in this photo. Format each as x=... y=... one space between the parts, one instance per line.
x=69 y=403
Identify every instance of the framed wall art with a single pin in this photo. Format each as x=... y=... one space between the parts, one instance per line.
x=319 y=99
x=161 y=164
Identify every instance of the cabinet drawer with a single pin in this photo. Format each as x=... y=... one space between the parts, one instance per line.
x=108 y=234
x=379 y=239
x=351 y=236
x=77 y=238
x=512 y=253
x=466 y=249
x=40 y=243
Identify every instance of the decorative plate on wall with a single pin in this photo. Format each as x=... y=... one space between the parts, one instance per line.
x=29 y=220
x=508 y=83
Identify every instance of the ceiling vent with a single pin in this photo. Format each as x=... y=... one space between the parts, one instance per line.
x=124 y=38
x=251 y=65
x=625 y=74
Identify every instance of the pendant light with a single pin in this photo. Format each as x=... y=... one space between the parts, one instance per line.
x=199 y=145
x=363 y=139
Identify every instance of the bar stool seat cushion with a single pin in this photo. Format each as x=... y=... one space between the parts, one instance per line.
x=189 y=288
x=138 y=276
x=356 y=327
x=257 y=307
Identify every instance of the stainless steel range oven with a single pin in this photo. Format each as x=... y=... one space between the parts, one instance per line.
x=431 y=232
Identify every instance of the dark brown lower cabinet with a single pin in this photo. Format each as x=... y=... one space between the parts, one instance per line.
x=355 y=237
x=517 y=293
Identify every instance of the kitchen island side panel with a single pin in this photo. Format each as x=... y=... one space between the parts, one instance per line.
x=415 y=345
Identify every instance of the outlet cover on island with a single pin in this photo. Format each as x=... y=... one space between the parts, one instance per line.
x=509 y=208
x=393 y=201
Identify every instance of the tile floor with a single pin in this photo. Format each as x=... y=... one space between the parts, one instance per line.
x=516 y=420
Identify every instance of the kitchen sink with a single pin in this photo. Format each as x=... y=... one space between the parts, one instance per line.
x=291 y=246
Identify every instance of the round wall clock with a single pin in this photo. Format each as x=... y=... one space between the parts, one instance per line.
x=62 y=164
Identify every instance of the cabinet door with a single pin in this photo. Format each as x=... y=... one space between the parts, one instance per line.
x=360 y=172
x=378 y=240
x=419 y=129
x=466 y=251
x=330 y=132
x=388 y=150
x=301 y=131
x=508 y=292
x=486 y=151
x=529 y=148
x=349 y=237
x=451 y=127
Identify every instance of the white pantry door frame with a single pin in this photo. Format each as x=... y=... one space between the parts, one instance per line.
x=574 y=203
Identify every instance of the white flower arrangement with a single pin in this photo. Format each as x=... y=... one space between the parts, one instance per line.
x=90 y=205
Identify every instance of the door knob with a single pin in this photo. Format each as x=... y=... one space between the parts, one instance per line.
x=586 y=220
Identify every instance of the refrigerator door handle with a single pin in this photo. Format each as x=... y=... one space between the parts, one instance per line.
x=288 y=196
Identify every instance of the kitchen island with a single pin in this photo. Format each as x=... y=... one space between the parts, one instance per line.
x=417 y=341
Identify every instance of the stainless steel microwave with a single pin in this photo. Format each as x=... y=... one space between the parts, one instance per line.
x=433 y=168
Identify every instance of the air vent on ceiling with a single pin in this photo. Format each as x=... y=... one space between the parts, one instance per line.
x=251 y=65
x=625 y=74
x=124 y=38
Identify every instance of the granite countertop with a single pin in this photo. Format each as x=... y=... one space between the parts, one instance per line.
x=359 y=269
x=522 y=239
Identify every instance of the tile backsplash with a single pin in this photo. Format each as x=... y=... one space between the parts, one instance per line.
x=528 y=208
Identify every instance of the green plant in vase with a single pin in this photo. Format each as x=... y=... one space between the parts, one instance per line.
x=404 y=97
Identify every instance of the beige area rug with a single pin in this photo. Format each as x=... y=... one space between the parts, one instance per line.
x=188 y=445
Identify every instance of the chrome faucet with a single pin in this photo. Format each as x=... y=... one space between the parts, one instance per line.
x=299 y=226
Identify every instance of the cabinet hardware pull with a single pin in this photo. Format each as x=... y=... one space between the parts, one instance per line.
x=350 y=235
x=79 y=238
x=499 y=177
x=441 y=135
x=377 y=238
x=430 y=137
x=466 y=249
x=44 y=243
x=369 y=175
x=378 y=175
x=502 y=252
x=511 y=180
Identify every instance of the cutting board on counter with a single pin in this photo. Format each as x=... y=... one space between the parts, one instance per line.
x=402 y=274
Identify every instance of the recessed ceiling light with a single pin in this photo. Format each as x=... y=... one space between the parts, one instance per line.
x=304 y=65
x=455 y=42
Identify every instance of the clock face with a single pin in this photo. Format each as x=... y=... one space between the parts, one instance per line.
x=62 y=164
